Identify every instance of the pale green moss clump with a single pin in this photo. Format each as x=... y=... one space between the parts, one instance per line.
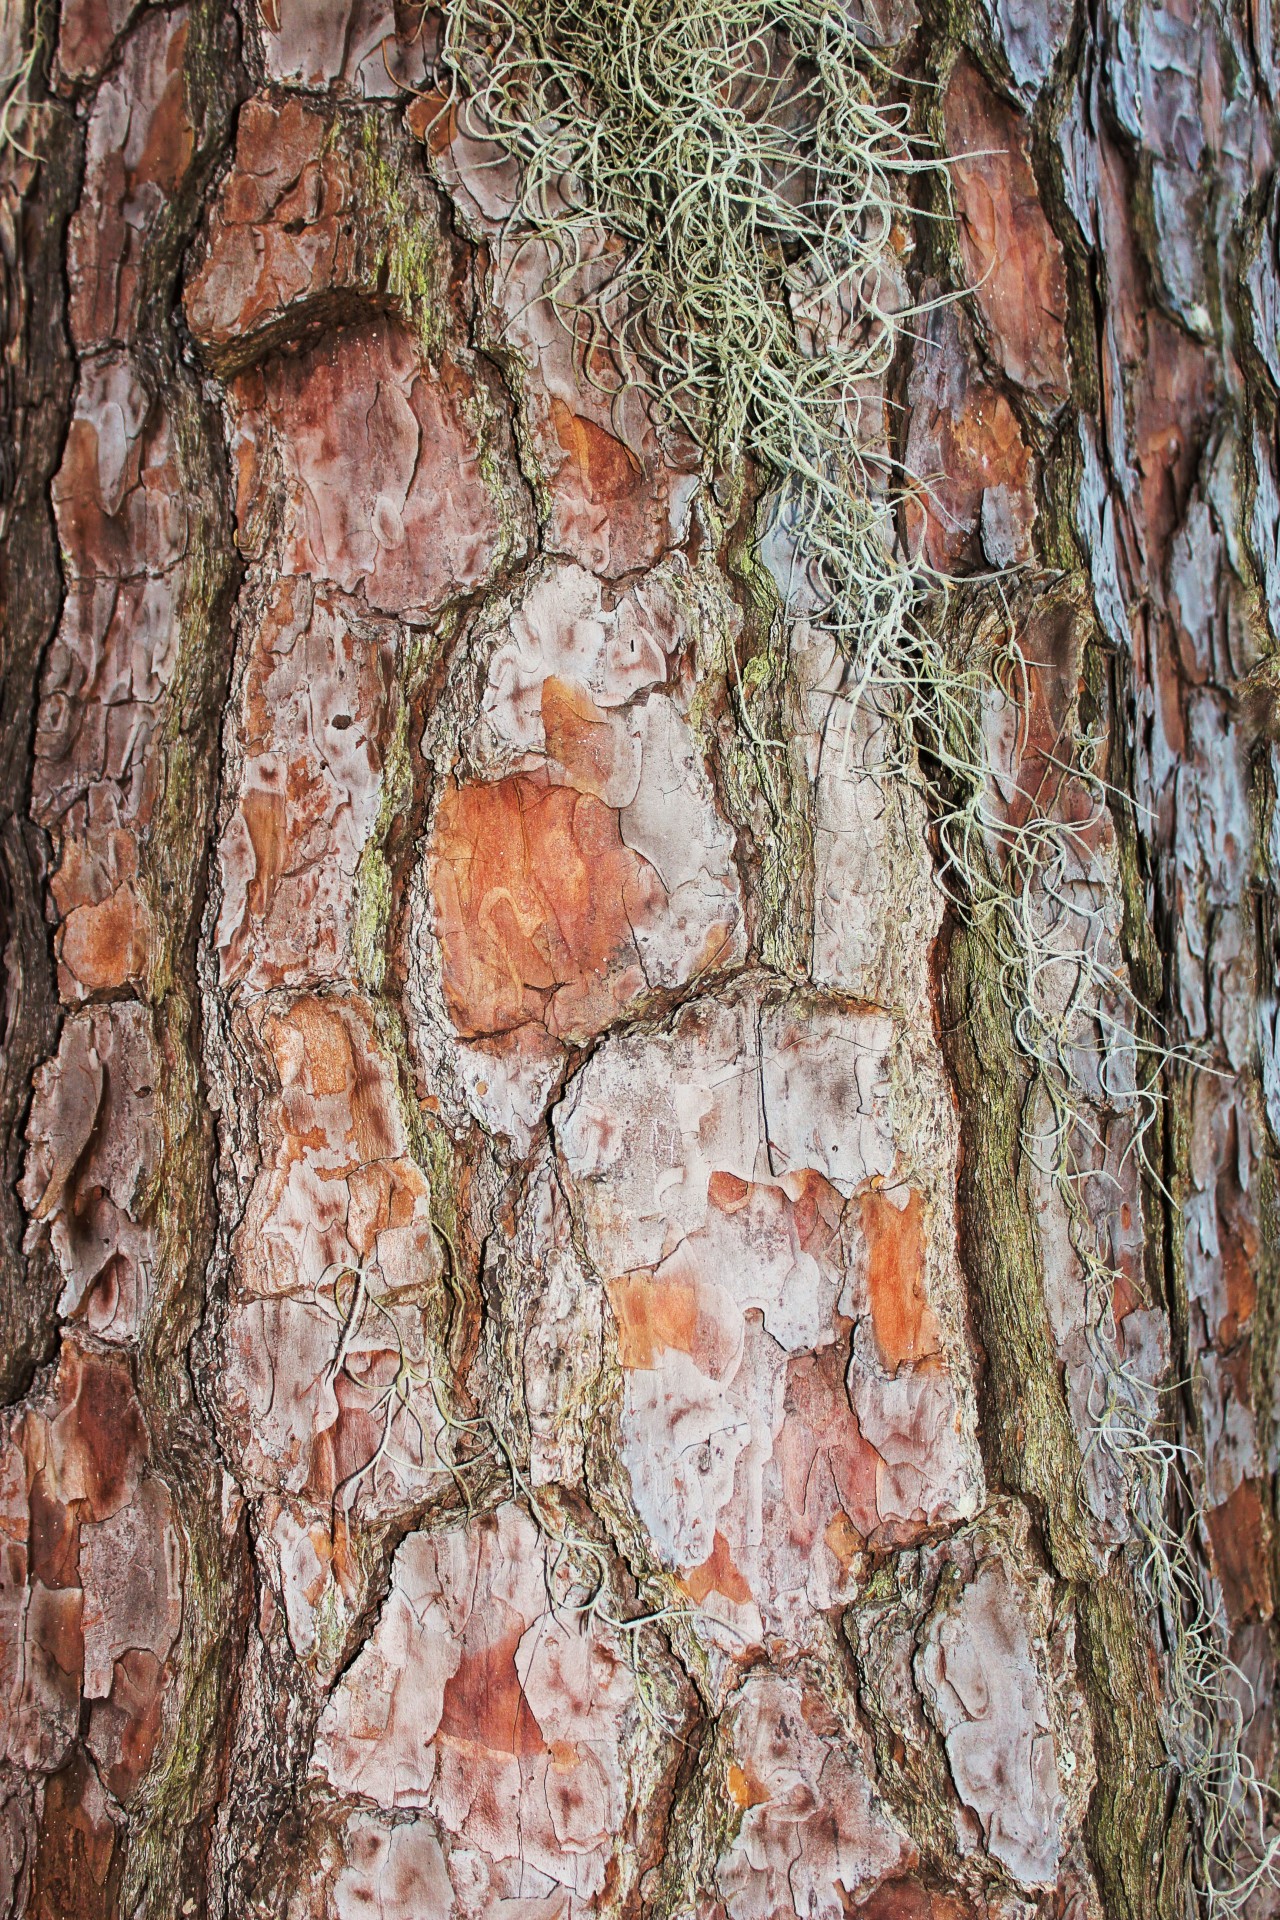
x=717 y=187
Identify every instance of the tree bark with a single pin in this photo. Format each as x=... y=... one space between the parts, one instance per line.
x=546 y=1368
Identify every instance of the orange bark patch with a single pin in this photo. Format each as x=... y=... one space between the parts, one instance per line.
x=1238 y=1535
x=1240 y=1244
x=100 y=1442
x=535 y=897
x=55 y=1626
x=1124 y=1297
x=727 y=1192
x=844 y=1540
x=327 y=1053
x=652 y=1319
x=745 y=1789
x=607 y=469
x=989 y=433
x=905 y=1328
x=579 y=736
x=105 y=946
x=321 y=1054
x=1012 y=256
x=717 y=1574
x=484 y=1704
x=431 y=118
x=906 y=1899
x=170 y=137
x=266 y=819
x=987 y=442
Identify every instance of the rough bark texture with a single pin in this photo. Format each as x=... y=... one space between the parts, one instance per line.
x=473 y=1145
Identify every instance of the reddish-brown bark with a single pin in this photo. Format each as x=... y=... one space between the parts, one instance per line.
x=543 y=1375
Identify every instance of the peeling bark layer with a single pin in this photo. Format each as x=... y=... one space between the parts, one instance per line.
x=544 y=1370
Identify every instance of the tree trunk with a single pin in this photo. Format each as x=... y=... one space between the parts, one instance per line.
x=581 y=1329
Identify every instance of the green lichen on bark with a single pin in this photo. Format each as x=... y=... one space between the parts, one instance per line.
x=1029 y=1436
x=1139 y=1830
x=409 y=263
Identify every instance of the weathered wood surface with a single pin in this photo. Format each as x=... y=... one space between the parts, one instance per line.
x=456 y=1132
